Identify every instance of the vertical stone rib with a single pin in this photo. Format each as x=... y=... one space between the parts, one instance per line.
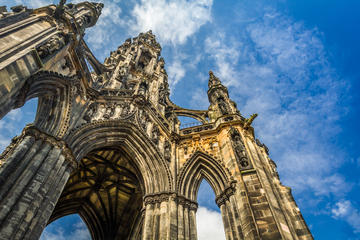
x=192 y=220
x=9 y=166
x=181 y=230
x=232 y=220
x=12 y=168
x=148 y=222
x=186 y=223
x=236 y=214
x=44 y=177
x=39 y=223
x=34 y=186
x=224 y=215
x=23 y=183
x=173 y=219
x=156 y=216
x=164 y=220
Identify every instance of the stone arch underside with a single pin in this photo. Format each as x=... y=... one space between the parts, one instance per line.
x=118 y=166
x=106 y=191
x=201 y=166
x=54 y=105
x=116 y=133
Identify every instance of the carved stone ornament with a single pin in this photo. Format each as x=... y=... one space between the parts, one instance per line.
x=108 y=111
x=167 y=151
x=30 y=130
x=158 y=198
x=222 y=106
x=52 y=45
x=155 y=134
x=226 y=194
x=90 y=112
x=239 y=149
x=143 y=119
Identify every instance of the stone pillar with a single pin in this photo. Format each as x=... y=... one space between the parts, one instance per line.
x=230 y=214
x=34 y=169
x=160 y=216
x=192 y=221
x=181 y=232
x=187 y=218
x=148 y=222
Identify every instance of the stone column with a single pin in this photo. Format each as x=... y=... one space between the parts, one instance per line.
x=230 y=214
x=34 y=169
x=187 y=218
x=181 y=232
x=148 y=221
x=160 y=216
x=192 y=221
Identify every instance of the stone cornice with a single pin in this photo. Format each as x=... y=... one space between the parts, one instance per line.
x=166 y=196
x=33 y=131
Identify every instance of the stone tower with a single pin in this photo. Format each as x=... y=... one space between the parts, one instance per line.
x=106 y=142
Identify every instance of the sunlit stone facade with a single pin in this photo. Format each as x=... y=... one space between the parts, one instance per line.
x=106 y=142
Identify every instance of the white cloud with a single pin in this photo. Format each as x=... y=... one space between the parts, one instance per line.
x=176 y=72
x=345 y=210
x=34 y=3
x=100 y=35
x=172 y=21
x=199 y=99
x=79 y=232
x=279 y=69
x=9 y=126
x=209 y=225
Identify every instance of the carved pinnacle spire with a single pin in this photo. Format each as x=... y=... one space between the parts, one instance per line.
x=213 y=80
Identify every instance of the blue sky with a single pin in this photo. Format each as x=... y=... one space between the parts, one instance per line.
x=295 y=63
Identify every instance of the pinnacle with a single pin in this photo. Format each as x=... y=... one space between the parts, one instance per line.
x=213 y=80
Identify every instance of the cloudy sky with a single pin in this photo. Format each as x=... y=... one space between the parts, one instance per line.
x=295 y=63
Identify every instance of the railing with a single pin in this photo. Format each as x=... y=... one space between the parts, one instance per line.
x=190 y=124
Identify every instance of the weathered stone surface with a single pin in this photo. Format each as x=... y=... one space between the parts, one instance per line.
x=107 y=144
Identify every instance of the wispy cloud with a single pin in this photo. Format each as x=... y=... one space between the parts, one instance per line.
x=172 y=21
x=35 y=3
x=281 y=70
x=102 y=35
x=9 y=126
x=176 y=71
x=79 y=232
x=345 y=210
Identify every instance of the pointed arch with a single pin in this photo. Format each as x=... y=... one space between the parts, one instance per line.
x=202 y=166
x=54 y=93
x=156 y=175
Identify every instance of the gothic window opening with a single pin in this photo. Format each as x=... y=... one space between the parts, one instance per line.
x=68 y=227
x=186 y=122
x=209 y=221
x=15 y=121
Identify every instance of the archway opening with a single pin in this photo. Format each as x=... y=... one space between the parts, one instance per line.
x=186 y=122
x=208 y=216
x=67 y=227
x=106 y=191
x=13 y=122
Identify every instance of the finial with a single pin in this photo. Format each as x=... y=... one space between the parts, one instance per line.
x=59 y=9
x=213 y=80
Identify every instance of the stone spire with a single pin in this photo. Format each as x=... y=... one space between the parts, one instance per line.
x=220 y=103
x=213 y=80
x=137 y=66
x=86 y=14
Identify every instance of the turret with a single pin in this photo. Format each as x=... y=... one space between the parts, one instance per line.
x=220 y=103
x=137 y=66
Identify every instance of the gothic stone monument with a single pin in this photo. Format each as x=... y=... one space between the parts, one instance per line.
x=106 y=142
